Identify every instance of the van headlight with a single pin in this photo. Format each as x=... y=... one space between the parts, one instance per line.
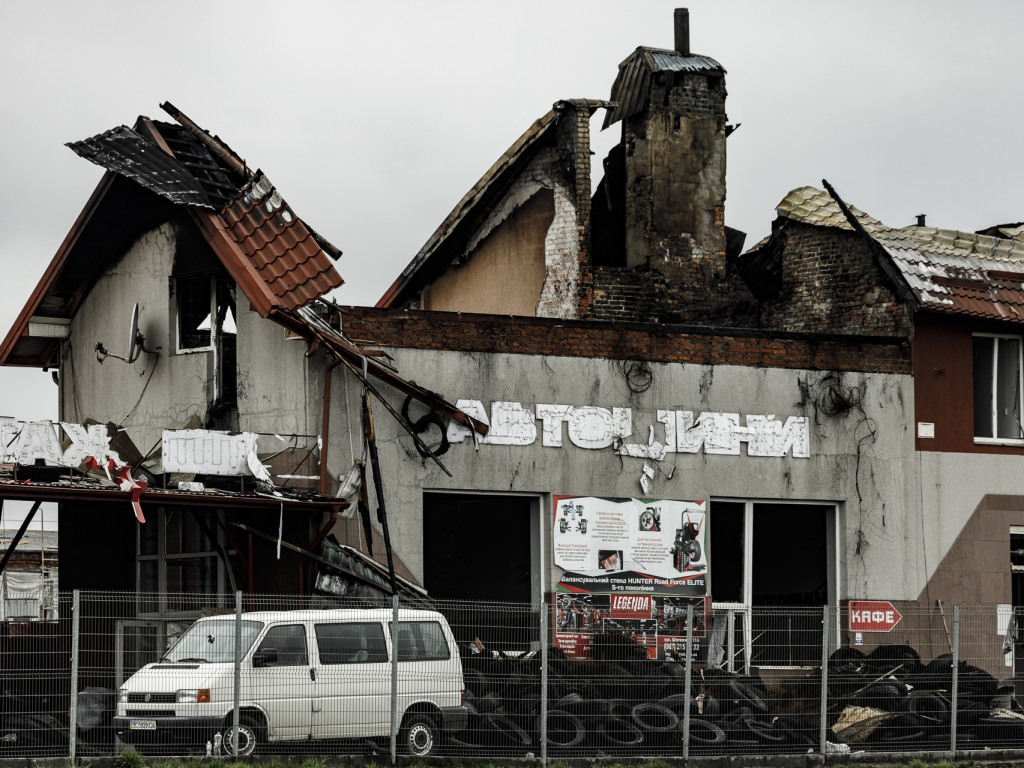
x=122 y=696
x=192 y=696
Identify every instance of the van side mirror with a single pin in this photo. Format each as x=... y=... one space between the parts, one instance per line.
x=264 y=657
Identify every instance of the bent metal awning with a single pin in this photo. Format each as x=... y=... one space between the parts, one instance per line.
x=83 y=490
x=36 y=465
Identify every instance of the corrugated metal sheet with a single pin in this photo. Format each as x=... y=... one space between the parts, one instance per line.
x=631 y=88
x=133 y=156
x=950 y=271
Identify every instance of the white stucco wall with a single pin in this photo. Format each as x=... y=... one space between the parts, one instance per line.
x=862 y=460
x=277 y=393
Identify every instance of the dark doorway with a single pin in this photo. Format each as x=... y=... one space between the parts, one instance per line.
x=479 y=549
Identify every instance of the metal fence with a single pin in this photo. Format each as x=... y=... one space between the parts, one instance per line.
x=197 y=674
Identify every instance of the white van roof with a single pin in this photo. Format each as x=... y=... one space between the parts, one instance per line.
x=333 y=614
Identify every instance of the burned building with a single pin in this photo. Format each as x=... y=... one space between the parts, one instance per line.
x=637 y=401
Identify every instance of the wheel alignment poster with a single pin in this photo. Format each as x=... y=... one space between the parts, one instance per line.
x=630 y=566
x=647 y=546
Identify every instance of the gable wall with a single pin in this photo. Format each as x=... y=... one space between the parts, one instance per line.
x=276 y=391
x=168 y=389
x=505 y=273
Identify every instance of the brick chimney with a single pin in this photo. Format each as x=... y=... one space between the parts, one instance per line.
x=674 y=144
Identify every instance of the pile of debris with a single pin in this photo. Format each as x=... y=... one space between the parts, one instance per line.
x=619 y=702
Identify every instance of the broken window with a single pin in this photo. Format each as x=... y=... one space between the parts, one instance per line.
x=204 y=321
x=772 y=569
x=997 y=388
x=177 y=560
x=205 y=308
x=1017 y=548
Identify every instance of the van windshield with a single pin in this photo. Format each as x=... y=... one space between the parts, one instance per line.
x=212 y=641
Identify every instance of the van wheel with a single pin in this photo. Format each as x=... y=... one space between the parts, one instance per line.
x=248 y=736
x=418 y=735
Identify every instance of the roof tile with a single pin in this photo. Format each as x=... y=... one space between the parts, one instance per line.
x=948 y=270
x=278 y=244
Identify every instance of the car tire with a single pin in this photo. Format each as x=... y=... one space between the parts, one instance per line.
x=418 y=736
x=249 y=730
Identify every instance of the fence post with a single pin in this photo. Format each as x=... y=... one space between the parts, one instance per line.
x=956 y=680
x=688 y=680
x=826 y=644
x=394 y=678
x=543 y=683
x=73 y=711
x=236 y=715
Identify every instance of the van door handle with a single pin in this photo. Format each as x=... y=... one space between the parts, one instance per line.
x=312 y=674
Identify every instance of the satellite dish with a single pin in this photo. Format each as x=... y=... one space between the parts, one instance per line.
x=133 y=335
x=136 y=343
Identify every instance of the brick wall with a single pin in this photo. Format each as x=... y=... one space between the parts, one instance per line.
x=619 y=341
x=647 y=296
x=832 y=283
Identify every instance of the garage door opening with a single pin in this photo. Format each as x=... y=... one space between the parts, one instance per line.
x=484 y=549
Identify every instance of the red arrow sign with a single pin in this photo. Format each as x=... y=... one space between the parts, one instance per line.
x=873 y=616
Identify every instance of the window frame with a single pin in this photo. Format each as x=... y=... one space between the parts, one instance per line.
x=159 y=597
x=375 y=654
x=744 y=608
x=422 y=654
x=994 y=390
x=211 y=285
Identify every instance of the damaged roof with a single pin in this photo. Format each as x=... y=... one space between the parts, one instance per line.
x=436 y=253
x=155 y=171
x=949 y=271
x=632 y=87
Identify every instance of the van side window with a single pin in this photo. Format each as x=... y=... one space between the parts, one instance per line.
x=351 y=643
x=284 y=646
x=421 y=641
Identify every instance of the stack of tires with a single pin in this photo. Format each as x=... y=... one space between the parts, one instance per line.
x=620 y=703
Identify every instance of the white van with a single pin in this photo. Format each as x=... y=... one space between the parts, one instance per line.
x=316 y=674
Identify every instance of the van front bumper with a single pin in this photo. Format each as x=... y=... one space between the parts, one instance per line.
x=195 y=730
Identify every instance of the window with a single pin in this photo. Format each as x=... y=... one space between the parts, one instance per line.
x=420 y=641
x=772 y=568
x=205 y=307
x=204 y=321
x=288 y=643
x=355 y=643
x=997 y=388
x=177 y=562
x=1017 y=548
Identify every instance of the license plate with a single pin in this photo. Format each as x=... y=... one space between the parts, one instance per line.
x=141 y=725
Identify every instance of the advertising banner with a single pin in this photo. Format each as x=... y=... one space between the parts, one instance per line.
x=630 y=566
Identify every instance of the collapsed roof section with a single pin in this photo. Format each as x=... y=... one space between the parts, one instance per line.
x=457 y=234
x=275 y=258
x=942 y=270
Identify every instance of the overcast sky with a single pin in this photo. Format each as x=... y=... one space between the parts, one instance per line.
x=373 y=119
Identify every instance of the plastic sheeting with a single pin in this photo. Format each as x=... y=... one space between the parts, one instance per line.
x=28 y=595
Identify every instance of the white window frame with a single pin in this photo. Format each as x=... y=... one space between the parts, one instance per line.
x=996 y=440
x=162 y=558
x=745 y=606
x=212 y=291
